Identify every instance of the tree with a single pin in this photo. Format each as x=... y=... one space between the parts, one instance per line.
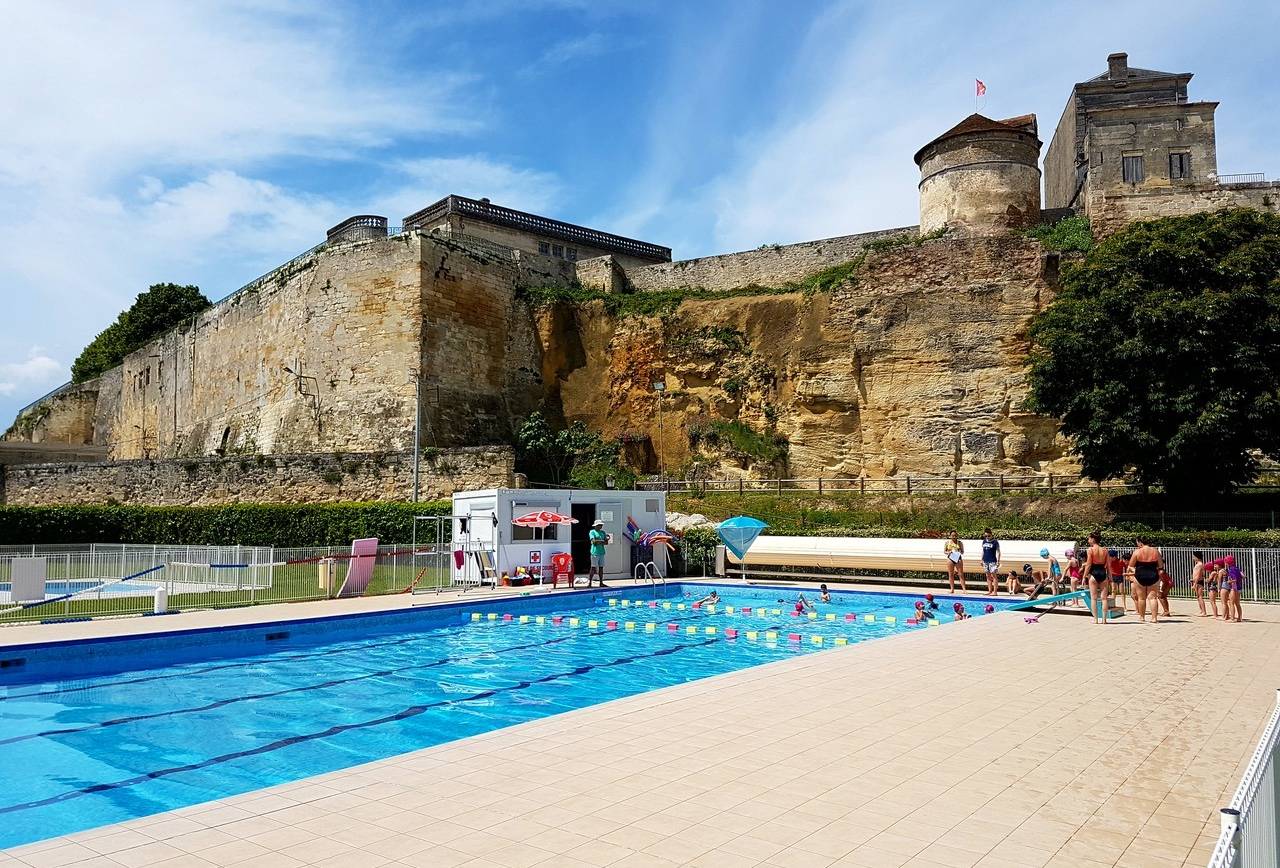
x=576 y=454
x=1160 y=355
x=160 y=308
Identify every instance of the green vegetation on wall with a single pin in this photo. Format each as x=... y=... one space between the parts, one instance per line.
x=1069 y=235
x=737 y=438
x=1159 y=353
x=160 y=308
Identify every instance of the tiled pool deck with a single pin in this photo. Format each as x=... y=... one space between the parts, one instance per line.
x=989 y=743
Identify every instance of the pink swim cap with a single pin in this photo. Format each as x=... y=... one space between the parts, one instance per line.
x=919 y=604
x=958 y=607
x=1229 y=560
x=990 y=608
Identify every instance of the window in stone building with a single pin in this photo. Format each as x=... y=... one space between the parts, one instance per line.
x=1179 y=166
x=1131 y=170
x=557 y=250
x=571 y=254
x=544 y=248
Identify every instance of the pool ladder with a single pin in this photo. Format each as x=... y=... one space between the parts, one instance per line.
x=650 y=572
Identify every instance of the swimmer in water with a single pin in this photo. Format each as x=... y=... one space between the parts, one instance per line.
x=823 y=594
x=711 y=598
x=803 y=605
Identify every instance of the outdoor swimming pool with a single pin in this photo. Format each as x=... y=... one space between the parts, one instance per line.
x=178 y=719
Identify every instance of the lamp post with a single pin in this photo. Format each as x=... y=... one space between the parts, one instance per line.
x=417 y=431
x=659 y=387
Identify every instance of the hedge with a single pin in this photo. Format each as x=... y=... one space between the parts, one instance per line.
x=281 y=525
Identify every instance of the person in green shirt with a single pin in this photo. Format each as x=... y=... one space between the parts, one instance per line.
x=599 y=539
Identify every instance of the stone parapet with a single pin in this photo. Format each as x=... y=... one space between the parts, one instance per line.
x=328 y=478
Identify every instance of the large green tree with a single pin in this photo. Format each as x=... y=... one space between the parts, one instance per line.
x=1161 y=354
x=152 y=313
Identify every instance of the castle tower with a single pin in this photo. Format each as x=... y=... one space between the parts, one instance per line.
x=981 y=176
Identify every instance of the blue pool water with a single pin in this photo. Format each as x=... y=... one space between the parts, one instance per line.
x=171 y=721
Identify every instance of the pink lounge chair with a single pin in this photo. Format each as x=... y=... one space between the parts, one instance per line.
x=360 y=568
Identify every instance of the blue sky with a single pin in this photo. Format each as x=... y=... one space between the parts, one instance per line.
x=205 y=143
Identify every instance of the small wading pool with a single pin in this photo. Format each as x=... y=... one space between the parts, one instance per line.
x=56 y=588
x=177 y=719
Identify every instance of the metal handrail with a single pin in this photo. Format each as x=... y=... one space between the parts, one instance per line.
x=1244 y=178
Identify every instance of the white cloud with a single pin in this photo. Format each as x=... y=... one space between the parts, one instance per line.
x=569 y=50
x=477 y=177
x=138 y=137
x=36 y=371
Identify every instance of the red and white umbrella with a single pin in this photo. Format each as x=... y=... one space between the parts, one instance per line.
x=542 y=518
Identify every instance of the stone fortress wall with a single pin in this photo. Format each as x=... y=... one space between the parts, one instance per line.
x=312 y=478
x=917 y=365
x=770 y=265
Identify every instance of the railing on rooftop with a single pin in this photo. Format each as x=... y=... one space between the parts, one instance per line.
x=361 y=227
x=498 y=215
x=1247 y=178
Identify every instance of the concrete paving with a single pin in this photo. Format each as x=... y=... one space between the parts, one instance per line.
x=990 y=743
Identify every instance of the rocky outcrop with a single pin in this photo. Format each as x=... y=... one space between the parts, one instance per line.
x=915 y=365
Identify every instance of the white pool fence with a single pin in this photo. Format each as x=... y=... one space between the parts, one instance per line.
x=1250 y=827
x=106 y=579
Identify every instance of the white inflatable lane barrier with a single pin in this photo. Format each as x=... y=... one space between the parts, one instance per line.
x=888 y=554
x=94 y=589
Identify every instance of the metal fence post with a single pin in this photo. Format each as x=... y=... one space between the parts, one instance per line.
x=1253 y=572
x=819 y=485
x=908 y=483
x=1002 y=483
x=955 y=485
x=862 y=485
x=1051 y=483
x=739 y=486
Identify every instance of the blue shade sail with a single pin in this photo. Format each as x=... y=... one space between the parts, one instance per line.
x=739 y=532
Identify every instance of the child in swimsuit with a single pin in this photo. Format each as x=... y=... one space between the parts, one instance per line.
x=1055 y=570
x=961 y=614
x=824 y=595
x=803 y=605
x=1211 y=582
x=1075 y=573
x=1235 y=584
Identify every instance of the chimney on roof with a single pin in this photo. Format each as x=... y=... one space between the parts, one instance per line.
x=1118 y=66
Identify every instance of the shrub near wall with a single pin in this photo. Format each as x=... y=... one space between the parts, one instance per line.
x=282 y=525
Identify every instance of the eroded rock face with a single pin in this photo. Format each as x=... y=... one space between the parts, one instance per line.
x=918 y=365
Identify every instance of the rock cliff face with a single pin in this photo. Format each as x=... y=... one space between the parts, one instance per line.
x=915 y=364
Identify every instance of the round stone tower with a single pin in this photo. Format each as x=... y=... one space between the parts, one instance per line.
x=981 y=177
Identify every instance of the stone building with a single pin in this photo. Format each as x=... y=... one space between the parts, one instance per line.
x=531 y=233
x=981 y=176
x=1131 y=144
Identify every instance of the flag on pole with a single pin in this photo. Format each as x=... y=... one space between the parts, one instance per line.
x=981 y=88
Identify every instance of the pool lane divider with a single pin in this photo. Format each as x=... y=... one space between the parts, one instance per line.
x=338 y=729
x=673 y=627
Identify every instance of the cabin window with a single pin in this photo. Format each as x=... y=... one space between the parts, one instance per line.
x=1179 y=166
